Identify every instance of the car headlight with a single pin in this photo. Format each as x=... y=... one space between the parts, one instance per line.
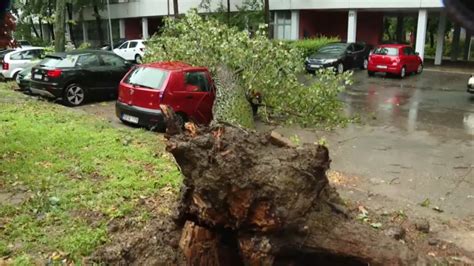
x=329 y=61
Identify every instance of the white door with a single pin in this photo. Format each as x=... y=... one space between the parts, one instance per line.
x=122 y=50
x=132 y=50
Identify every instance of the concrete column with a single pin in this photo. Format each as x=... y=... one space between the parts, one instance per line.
x=440 y=39
x=421 y=32
x=352 y=26
x=275 y=26
x=85 y=34
x=145 y=34
x=122 y=28
x=455 y=45
x=295 y=25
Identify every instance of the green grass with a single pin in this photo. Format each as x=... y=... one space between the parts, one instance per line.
x=73 y=174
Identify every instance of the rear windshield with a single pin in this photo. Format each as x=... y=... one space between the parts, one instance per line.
x=50 y=61
x=386 y=51
x=148 y=77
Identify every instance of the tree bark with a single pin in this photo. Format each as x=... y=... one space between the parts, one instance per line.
x=99 y=25
x=252 y=195
x=60 y=23
x=266 y=14
x=70 y=24
x=32 y=24
x=50 y=26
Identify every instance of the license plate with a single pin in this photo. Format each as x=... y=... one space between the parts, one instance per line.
x=316 y=66
x=38 y=76
x=129 y=118
x=382 y=67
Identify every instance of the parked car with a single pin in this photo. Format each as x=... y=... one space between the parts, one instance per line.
x=76 y=75
x=23 y=79
x=470 y=84
x=398 y=59
x=117 y=44
x=188 y=90
x=132 y=50
x=340 y=56
x=14 y=61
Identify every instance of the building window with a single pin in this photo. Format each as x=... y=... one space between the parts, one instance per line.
x=283 y=25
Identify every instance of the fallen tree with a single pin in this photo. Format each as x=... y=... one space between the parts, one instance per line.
x=255 y=199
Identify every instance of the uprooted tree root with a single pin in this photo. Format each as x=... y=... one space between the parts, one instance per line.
x=256 y=199
x=253 y=199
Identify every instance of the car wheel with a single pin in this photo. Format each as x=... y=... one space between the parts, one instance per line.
x=370 y=73
x=420 y=69
x=403 y=72
x=340 y=68
x=365 y=64
x=74 y=95
x=138 y=59
x=16 y=77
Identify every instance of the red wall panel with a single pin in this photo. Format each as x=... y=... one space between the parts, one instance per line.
x=133 y=28
x=334 y=24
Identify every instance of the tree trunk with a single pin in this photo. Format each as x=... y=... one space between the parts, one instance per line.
x=176 y=8
x=50 y=26
x=40 y=22
x=228 y=12
x=266 y=13
x=467 y=45
x=258 y=199
x=99 y=25
x=70 y=24
x=455 y=44
x=60 y=23
x=34 y=28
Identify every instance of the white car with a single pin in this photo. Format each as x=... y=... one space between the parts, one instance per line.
x=470 y=84
x=132 y=50
x=13 y=62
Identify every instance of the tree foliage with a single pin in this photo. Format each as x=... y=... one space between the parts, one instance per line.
x=264 y=66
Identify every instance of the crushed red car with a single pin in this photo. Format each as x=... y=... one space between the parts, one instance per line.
x=188 y=90
x=397 y=59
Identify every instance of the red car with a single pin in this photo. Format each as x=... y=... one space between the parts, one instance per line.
x=189 y=90
x=395 y=59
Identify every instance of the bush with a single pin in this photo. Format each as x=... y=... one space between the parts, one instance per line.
x=311 y=46
x=268 y=67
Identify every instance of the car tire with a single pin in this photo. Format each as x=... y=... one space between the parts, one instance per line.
x=340 y=68
x=138 y=59
x=16 y=77
x=419 y=69
x=370 y=73
x=403 y=72
x=74 y=95
x=365 y=64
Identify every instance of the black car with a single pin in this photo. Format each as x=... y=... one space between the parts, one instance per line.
x=340 y=56
x=74 y=76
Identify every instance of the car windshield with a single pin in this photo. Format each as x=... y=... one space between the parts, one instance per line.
x=386 y=51
x=148 y=77
x=51 y=61
x=333 y=48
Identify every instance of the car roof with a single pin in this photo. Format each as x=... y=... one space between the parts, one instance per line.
x=136 y=40
x=394 y=45
x=173 y=66
x=80 y=52
x=19 y=49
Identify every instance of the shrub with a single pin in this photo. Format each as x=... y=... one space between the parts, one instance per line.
x=84 y=45
x=311 y=46
x=268 y=67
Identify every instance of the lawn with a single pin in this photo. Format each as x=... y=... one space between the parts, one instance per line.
x=65 y=175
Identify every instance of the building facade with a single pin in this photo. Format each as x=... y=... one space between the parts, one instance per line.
x=360 y=20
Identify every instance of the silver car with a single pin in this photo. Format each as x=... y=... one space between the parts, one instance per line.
x=13 y=62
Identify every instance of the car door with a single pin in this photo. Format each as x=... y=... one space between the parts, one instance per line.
x=121 y=50
x=21 y=60
x=407 y=58
x=94 y=74
x=359 y=55
x=199 y=95
x=132 y=50
x=349 y=58
x=116 y=69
